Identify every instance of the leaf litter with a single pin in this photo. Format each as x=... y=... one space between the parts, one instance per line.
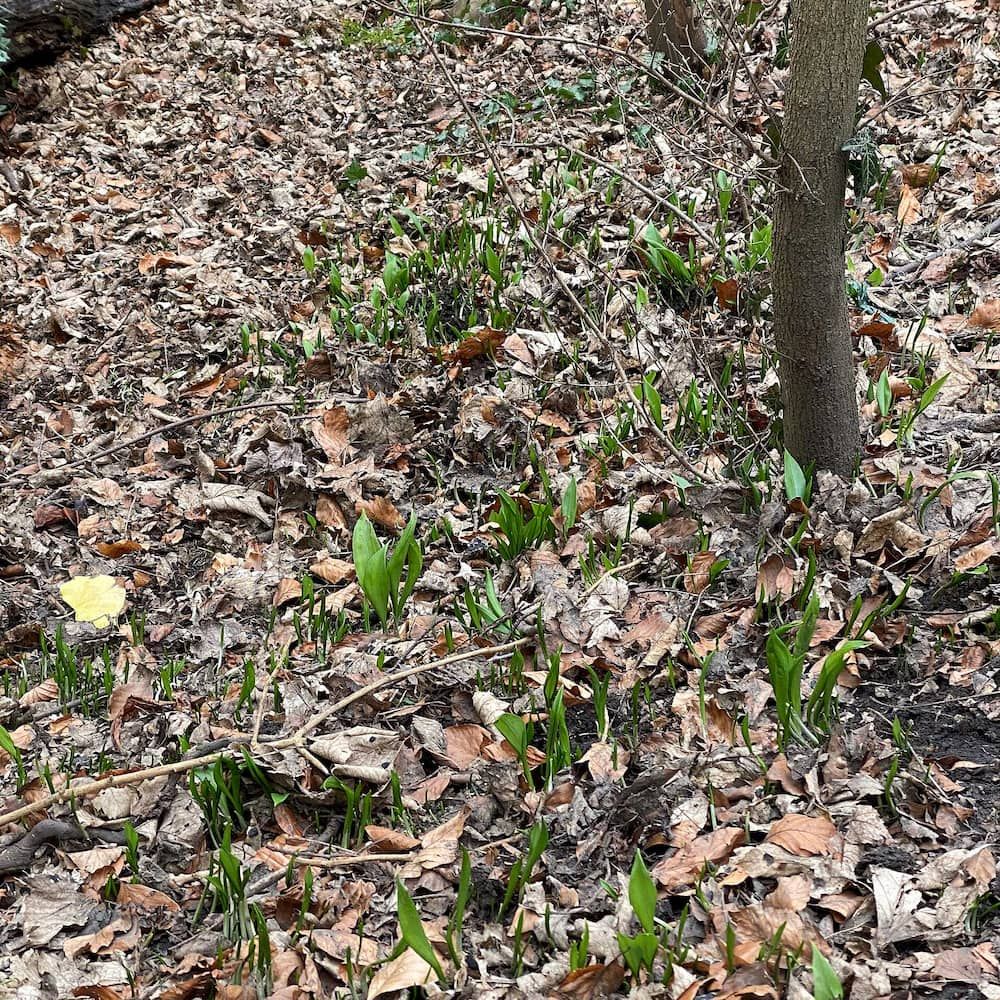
x=267 y=287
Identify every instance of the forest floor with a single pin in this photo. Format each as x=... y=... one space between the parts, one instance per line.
x=262 y=283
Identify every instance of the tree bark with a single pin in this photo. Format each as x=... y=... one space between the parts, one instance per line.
x=677 y=29
x=29 y=28
x=812 y=332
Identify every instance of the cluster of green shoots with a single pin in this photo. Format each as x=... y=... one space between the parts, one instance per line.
x=387 y=577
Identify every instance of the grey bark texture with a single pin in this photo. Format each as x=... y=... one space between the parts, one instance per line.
x=812 y=332
x=29 y=28
x=677 y=29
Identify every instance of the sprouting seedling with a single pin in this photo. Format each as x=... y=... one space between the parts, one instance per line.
x=639 y=950
x=9 y=747
x=826 y=983
x=381 y=574
x=600 y=684
x=521 y=871
x=131 y=848
x=411 y=930
x=798 y=485
x=453 y=935
x=515 y=534
x=785 y=668
x=518 y=734
x=569 y=506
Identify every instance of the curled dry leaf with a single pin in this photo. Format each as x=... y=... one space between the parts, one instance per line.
x=698 y=575
x=465 y=744
x=385 y=840
x=48 y=690
x=776 y=578
x=919 y=175
x=478 y=343
x=488 y=707
x=332 y=570
x=226 y=498
x=977 y=555
x=288 y=589
x=908 y=211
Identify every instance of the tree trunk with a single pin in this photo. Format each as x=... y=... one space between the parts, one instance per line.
x=29 y=28
x=676 y=29
x=815 y=358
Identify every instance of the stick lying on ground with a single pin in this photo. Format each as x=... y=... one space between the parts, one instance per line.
x=297 y=739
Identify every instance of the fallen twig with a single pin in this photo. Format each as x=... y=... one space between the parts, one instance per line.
x=297 y=739
x=39 y=477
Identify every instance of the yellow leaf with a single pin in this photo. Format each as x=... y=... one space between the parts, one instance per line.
x=95 y=599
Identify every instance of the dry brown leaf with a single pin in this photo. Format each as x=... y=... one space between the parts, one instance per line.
x=402 y=973
x=144 y=898
x=98 y=858
x=776 y=578
x=908 y=211
x=919 y=175
x=115 y=550
x=337 y=943
x=606 y=763
x=592 y=981
x=385 y=840
x=190 y=989
x=121 y=934
x=464 y=744
x=896 y=902
x=228 y=498
x=480 y=342
x=288 y=589
x=382 y=511
x=683 y=867
x=757 y=924
x=977 y=555
x=791 y=893
x=329 y=512
x=803 y=835
x=843 y=904
x=161 y=261
x=48 y=690
x=697 y=576
x=331 y=434
x=332 y=570
x=986 y=315
x=967 y=965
